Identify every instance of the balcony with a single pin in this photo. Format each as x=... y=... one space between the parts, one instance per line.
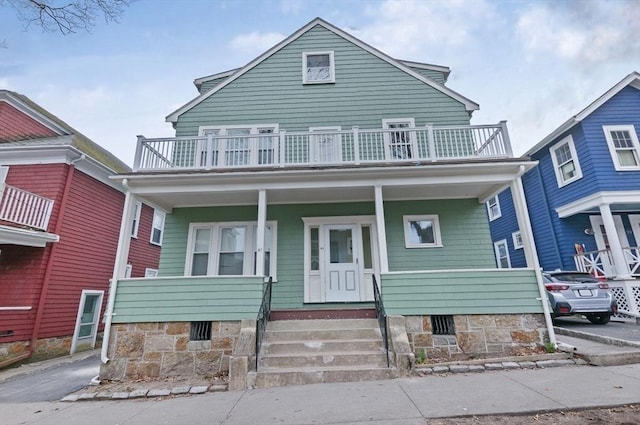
x=269 y=149
x=24 y=208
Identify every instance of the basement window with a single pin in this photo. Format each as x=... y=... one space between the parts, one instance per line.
x=442 y=325
x=200 y=331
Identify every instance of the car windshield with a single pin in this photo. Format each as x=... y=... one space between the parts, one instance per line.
x=574 y=277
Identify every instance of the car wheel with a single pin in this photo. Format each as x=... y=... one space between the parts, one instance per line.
x=599 y=319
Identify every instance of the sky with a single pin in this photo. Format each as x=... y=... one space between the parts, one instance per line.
x=532 y=63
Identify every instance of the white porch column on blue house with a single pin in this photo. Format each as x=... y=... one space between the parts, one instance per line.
x=122 y=255
x=619 y=260
x=382 y=232
x=526 y=233
x=260 y=231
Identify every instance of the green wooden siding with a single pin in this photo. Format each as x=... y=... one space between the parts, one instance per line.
x=436 y=76
x=461 y=220
x=465 y=234
x=208 y=85
x=183 y=300
x=463 y=292
x=366 y=90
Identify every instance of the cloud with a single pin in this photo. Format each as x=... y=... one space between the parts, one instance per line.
x=589 y=31
x=255 y=42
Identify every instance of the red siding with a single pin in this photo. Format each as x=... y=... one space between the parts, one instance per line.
x=143 y=254
x=16 y=126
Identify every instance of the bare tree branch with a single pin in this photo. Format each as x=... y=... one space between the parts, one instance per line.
x=66 y=16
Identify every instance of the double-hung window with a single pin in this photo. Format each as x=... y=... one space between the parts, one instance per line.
x=493 y=208
x=565 y=161
x=517 y=240
x=233 y=146
x=158 y=227
x=136 y=220
x=502 y=254
x=318 y=68
x=229 y=249
x=624 y=146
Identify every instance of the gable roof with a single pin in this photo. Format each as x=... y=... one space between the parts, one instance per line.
x=632 y=80
x=78 y=140
x=173 y=117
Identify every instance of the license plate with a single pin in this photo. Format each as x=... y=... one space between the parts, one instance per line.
x=585 y=292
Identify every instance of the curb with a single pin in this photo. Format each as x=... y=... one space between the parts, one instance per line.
x=488 y=367
x=145 y=393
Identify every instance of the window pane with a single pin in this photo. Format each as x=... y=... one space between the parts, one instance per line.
x=627 y=158
x=366 y=247
x=563 y=154
x=317 y=61
x=232 y=239
x=202 y=240
x=315 y=251
x=421 y=232
x=231 y=263
x=568 y=171
x=621 y=139
x=199 y=265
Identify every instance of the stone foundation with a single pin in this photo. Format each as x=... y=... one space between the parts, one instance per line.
x=46 y=348
x=160 y=350
x=476 y=336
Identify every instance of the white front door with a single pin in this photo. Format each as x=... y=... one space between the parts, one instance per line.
x=602 y=241
x=342 y=272
x=326 y=145
x=84 y=336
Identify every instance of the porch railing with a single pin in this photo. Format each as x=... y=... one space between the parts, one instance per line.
x=382 y=316
x=24 y=208
x=263 y=317
x=355 y=146
x=601 y=264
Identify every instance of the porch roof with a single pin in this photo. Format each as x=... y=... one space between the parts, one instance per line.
x=479 y=179
x=618 y=201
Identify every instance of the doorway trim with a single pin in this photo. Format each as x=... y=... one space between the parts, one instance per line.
x=314 y=281
x=76 y=332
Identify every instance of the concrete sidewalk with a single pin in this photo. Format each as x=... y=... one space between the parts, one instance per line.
x=407 y=401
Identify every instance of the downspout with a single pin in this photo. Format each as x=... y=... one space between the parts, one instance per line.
x=522 y=206
x=50 y=261
x=125 y=231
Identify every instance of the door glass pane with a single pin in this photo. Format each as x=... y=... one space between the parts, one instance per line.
x=341 y=246
x=87 y=320
x=366 y=246
x=400 y=142
x=315 y=251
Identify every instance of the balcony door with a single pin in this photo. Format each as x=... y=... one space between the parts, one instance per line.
x=325 y=145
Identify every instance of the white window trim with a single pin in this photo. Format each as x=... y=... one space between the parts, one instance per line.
x=164 y=218
x=612 y=149
x=332 y=68
x=574 y=157
x=136 y=220
x=214 y=246
x=496 y=249
x=76 y=332
x=148 y=272
x=517 y=240
x=436 y=231
x=127 y=271
x=499 y=213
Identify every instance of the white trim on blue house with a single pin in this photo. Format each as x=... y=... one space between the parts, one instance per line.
x=593 y=202
x=634 y=149
x=562 y=162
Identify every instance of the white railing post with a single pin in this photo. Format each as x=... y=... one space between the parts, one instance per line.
x=282 y=148
x=138 y=156
x=356 y=144
x=506 y=139
x=431 y=143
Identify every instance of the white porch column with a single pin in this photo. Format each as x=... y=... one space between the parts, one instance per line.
x=261 y=228
x=122 y=255
x=526 y=232
x=382 y=233
x=619 y=260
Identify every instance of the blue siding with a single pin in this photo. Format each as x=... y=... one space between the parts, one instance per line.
x=505 y=226
x=556 y=238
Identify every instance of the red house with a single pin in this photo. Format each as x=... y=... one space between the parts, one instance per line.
x=60 y=216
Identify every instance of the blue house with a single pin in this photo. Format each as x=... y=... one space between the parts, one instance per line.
x=583 y=196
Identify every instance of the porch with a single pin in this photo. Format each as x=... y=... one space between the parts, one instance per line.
x=24 y=217
x=268 y=147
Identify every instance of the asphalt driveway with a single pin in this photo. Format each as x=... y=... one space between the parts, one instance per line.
x=615 y=329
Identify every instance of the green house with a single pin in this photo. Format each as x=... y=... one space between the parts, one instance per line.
x=306 y=183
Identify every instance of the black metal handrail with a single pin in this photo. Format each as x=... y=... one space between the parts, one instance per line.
x=381 y=315
x=263 y=317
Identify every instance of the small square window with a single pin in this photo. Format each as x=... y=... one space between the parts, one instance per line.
x=318 y=68
x=517 y=240
x=565 y=161
x=157 y=228
x=623 y=146
x=493 y=208
x=421 y=231
x=150 y=272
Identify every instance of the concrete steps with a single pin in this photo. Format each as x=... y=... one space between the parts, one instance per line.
x=297 y=352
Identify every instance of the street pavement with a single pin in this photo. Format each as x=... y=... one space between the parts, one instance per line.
x=406 y=401
x=626 y=331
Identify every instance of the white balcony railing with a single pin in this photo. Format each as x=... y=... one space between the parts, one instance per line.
x=355 y=146
x=24 y=208
x=601 y=264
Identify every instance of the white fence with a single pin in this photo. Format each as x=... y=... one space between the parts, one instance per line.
x=25 y=208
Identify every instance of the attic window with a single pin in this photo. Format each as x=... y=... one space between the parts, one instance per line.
x=317 y=68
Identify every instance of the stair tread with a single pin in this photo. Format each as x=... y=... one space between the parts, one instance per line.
x=298 y=341
x=309 y=369
x=326 y=353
